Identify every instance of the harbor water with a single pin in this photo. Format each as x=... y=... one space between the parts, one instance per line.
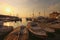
x=16 y=24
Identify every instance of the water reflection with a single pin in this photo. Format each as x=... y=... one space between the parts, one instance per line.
x=16 y=24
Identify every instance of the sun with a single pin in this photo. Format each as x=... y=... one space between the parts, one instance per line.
x=8 y=10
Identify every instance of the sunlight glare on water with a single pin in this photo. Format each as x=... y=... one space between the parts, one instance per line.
x=16 y=24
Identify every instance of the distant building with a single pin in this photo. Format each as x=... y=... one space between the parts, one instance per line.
x=54 y=15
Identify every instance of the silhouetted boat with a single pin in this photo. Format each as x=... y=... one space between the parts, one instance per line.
x=36 y=31
x=5 y=30
x=28 y=19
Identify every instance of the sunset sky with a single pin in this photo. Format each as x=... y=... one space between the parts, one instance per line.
x=24 y=8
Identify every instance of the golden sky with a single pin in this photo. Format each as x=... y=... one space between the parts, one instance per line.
x=24 y=8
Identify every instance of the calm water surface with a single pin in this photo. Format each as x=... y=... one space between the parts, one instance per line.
x=16 y=24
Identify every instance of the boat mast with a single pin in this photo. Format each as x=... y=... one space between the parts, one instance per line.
x=33 y=14
x=44 y=12
x=39 y=13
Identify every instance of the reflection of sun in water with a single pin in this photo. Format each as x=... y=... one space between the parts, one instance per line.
x=6 y=24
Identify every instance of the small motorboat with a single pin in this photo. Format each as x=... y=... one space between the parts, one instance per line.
x=36 y=31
